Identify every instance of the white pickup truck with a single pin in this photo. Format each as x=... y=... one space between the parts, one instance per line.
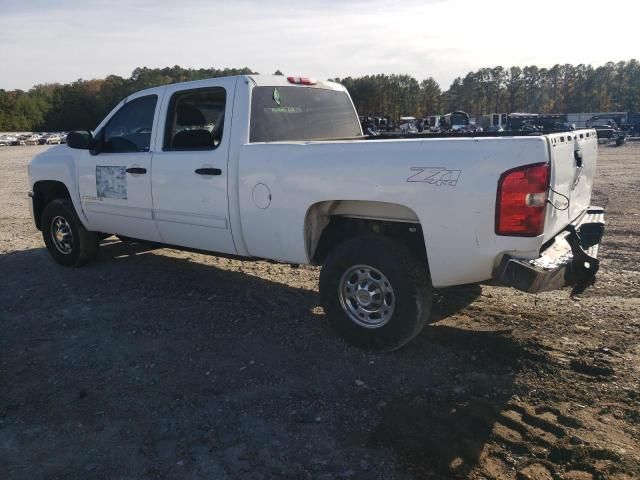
x=277 y=168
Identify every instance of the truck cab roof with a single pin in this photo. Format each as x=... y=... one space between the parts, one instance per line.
x=256 y=79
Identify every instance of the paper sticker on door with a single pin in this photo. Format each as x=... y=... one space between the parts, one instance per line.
x=111 y=182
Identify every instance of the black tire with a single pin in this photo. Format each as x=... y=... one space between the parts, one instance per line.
x=83 y=244
x=411 y=291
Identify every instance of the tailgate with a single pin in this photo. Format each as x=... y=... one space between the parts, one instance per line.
x=573 y=166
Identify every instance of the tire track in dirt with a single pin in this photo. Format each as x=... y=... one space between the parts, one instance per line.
x=475 y=438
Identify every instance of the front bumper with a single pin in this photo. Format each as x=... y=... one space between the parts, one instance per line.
x=570 y=259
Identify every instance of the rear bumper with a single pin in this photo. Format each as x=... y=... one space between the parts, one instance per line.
x=570 y=259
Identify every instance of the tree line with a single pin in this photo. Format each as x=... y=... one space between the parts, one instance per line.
x=84 y=103
x=559 y=89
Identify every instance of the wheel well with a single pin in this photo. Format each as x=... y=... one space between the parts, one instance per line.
x=43 y=193
x=330 y=224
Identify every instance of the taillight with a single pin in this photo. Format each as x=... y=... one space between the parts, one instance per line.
x=302 y=80
x=521 y=202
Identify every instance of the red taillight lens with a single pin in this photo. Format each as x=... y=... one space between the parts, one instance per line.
x=521 y=202
x=302 y=80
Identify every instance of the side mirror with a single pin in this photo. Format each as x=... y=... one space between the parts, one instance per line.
x=80 y=139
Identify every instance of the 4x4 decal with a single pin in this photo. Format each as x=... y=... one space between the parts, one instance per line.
x=437 y=176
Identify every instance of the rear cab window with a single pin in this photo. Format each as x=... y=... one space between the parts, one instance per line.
x=290 y=113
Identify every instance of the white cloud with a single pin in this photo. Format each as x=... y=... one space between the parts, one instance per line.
x=43 y=43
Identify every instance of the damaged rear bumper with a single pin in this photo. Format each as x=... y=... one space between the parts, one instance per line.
x=570 y=259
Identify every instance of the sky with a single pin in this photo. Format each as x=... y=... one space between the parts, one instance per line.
x=47 y=41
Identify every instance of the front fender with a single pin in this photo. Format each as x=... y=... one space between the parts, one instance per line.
x=58 y=164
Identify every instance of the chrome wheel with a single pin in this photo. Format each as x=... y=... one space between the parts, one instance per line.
x=62 y=235
x=366 y=296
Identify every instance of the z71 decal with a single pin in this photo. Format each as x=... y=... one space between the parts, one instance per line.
x=437 y=176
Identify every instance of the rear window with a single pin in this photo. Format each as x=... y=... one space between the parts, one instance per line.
x=301 y=113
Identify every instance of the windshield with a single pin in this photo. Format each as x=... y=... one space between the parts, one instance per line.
x=299 y=113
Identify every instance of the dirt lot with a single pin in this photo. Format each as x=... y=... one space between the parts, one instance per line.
x=164 y=364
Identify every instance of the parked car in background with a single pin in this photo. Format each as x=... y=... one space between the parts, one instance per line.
x=32 y=139
x=408 y=128
x=606 y=133
x=369 y=126
x=50 y=139
x=19 y=140
x=633 y=120
x=6 y=140
x=472 y=128
x=610 y=133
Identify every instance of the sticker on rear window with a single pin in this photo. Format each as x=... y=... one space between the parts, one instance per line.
x=283 y=110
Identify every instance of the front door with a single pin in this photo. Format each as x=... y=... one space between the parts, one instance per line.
x=189 y=174
x=115 y=180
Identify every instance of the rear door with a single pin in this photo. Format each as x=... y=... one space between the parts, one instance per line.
x=115 y=181
x=189 y=177
x=573 y=167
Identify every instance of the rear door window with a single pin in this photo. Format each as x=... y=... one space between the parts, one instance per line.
x=195 y=119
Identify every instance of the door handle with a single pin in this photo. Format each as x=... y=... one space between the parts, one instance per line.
x=208 y=171
x=136 y=170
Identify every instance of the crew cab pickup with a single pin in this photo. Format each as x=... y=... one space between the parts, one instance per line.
x=275 y=167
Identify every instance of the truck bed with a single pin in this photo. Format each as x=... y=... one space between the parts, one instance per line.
x=446 y=183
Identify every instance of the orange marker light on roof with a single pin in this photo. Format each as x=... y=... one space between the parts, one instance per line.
x=302 y=80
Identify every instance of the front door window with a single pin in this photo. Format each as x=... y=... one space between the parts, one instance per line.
x=129 y=130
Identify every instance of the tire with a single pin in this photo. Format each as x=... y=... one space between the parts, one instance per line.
x=75 y=245
x=399 y=292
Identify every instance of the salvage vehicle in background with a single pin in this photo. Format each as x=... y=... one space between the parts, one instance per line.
x=610 y=133
x=537 y=122
x=408 y=128
x=277 y=168
x=454 y=121
x=633 y=122
x=50 y=139
x=32 y=139
x=6 y=140
x=620 y=137
x=20 y=140
x=612 y=119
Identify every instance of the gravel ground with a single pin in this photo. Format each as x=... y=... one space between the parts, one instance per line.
x=156 y=363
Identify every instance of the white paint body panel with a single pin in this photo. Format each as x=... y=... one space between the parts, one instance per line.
x=457 y=214
x=568 y=180
x=192 y=210
x=57 y=164
x=457 y=221
x=131 y=216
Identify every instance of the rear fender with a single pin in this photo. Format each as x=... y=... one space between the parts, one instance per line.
x=319 y=216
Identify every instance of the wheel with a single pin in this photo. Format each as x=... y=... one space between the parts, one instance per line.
x=68 y=242
x=376 y=293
